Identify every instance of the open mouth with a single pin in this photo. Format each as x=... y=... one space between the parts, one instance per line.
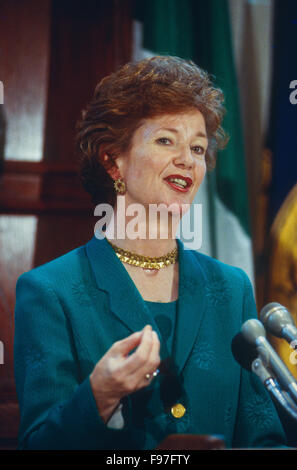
x=179 y=183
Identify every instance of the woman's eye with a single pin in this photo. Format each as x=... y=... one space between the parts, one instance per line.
x=164 y=141
x=198 y=149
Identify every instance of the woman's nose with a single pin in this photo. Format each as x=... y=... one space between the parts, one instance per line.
x=184 y=158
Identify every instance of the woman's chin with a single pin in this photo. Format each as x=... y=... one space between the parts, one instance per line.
x=176 y=208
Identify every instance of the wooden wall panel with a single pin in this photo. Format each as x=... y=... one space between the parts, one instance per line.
x=24 y=35
x=52 y=54
x=82 y=53
x=17 y=247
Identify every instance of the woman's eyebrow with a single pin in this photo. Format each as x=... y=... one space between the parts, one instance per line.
x=172 y=129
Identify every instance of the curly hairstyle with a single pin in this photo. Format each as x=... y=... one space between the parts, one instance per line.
x=139 y=90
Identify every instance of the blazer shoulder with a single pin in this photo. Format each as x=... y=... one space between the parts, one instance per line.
x=215 y=268
x=70 y=266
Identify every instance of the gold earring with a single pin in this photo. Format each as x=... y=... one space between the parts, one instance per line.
x=119 y=186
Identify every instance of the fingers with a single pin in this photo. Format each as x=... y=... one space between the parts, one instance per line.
x=150 y=370
x=138 y=359
x=154 y=359
x=118 y=374
x=127 y=344
x=145 y=360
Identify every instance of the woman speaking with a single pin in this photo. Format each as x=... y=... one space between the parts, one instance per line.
x=126 y=340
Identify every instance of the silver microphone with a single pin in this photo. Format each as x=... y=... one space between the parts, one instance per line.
x=278 y=321
x=246 y=355
x=254 y=332
x=271 y=384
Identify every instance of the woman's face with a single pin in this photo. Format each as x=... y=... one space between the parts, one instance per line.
x=166 y=160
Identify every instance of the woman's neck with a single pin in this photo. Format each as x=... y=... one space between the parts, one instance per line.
x=155 y=237
x=150 y=248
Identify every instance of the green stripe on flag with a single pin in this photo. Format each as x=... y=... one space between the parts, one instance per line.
x=200 y=30
x=167 y=26
x=214 y=53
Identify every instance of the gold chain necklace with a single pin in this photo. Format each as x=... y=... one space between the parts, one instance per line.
x=145 y=262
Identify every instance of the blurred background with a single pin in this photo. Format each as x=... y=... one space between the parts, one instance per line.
x=52 y=54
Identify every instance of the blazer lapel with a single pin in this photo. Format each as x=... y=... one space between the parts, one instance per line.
x=191 y=305
x=127 y=304
x=125 y=300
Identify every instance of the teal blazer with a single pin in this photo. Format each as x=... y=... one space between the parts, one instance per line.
x=72 y=309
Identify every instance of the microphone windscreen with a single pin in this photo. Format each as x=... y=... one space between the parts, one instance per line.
x=275 y=317
x=252 y=329
x=269 y=307
x=243 y=352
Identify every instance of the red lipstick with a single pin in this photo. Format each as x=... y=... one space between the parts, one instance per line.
x=176 y=186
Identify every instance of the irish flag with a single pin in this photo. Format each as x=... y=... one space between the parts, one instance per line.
x=200 y=31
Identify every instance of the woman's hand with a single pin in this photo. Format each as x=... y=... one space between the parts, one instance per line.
x=118 y=374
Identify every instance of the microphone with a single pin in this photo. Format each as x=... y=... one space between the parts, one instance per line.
x=278 y=321
x=272 y=386
x=246 y=355
x=253 y=331
x=243 y=352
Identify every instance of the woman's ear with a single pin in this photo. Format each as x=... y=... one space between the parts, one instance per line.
x=110 y=165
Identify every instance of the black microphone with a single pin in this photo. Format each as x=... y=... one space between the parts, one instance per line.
x=245 y=354
x=278 y=321
x=254 y=332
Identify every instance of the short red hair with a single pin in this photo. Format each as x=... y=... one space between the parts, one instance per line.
x=139 y=90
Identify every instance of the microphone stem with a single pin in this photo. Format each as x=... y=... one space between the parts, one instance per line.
x=289 y=333
x=293 y=390
x=276 y=392
x=274 y=362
